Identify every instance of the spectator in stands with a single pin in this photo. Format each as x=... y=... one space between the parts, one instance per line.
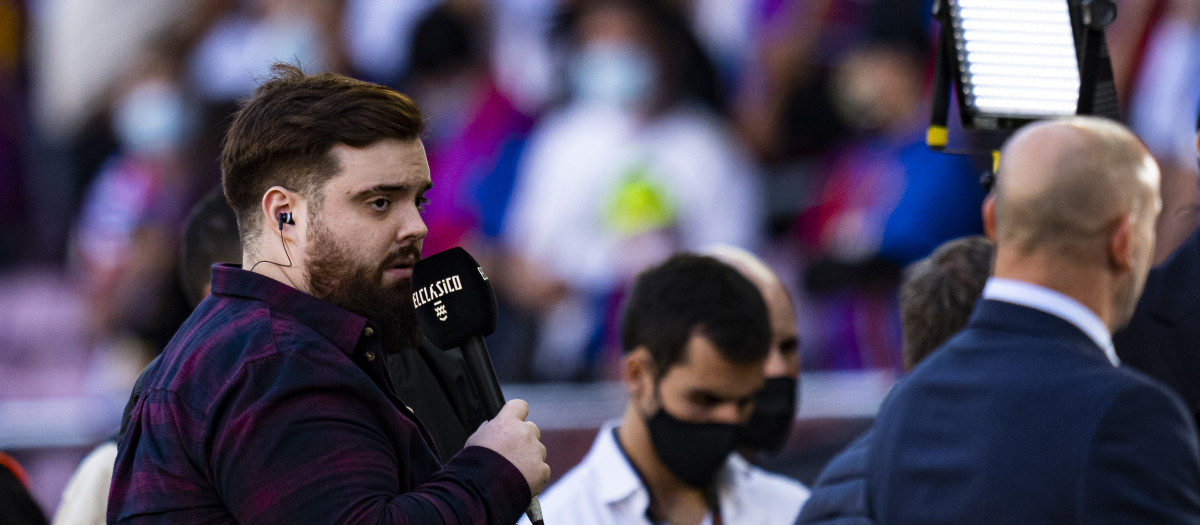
x=696 y=334
x=210 y=236
x=887 y=199
x=1162 y=105
x=475 y=132
x=635 y=166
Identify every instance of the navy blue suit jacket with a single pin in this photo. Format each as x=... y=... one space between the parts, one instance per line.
x=1020 y=418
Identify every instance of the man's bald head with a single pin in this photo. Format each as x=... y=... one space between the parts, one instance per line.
x=1063 y=185
x=784 y=359
x=775 y=408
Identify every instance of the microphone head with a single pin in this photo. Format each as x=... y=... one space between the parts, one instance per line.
x=453 y=298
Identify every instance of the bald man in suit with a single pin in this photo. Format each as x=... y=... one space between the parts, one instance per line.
x=1025 y=416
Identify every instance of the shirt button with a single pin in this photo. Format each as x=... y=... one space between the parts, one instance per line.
x=370 y=356
x=368 y=331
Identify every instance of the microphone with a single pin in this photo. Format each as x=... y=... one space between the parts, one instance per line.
x=456 y=307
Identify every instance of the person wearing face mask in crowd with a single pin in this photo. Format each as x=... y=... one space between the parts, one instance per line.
x=123 y=245
x=696 y=335
x=635 y=166
x=132 y=208
x=775 y=408
x=887 y=199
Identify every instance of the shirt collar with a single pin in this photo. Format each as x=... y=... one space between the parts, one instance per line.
x=621 y=482
x=1054 y=303
x=338 y=325
x=622 y=485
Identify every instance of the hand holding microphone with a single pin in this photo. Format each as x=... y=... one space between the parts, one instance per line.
x=456 y=307
x=517 y=440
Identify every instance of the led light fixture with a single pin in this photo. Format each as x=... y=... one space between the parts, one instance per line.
x=1014 y=61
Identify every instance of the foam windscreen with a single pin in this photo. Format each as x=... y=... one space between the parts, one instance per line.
x=453 y=298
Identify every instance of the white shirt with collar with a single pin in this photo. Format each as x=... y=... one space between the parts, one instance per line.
x=1056 y=304
x=604 y=489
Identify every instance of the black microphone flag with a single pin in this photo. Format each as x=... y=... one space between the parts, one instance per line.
x=453 y=298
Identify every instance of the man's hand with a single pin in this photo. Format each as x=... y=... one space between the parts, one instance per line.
x=518 y=441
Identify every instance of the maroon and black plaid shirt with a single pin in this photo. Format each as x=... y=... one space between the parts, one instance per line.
x=273 y=406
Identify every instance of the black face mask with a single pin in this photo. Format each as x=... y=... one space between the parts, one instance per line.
x=771 y=421
x=693 y=452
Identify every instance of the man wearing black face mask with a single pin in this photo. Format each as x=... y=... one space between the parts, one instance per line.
x=696 y=335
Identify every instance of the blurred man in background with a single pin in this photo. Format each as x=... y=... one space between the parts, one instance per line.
x=939 y=292
x=775 y=409
x=937 y=295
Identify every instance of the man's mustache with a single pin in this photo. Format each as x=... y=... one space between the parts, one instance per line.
x=404 y=256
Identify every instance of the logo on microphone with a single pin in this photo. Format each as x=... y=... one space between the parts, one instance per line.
x=437 y=289
x=481 y=274
x=439 y=309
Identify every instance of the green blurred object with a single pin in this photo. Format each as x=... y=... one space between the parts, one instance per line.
x=639 y=204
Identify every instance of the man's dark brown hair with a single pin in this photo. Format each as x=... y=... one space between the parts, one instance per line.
x=695 y=295
x=939 y=292
x=283 y=134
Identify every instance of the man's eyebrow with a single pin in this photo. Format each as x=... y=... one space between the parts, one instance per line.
x=392 y=188
x=701 y=392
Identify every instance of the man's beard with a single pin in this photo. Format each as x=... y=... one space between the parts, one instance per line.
x=358 y=288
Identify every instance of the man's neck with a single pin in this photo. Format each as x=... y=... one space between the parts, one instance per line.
x=279 y=266
x=1091 y=285
x=671 y=500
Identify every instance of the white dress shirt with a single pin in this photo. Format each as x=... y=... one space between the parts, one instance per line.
x=85 y=499
x=1056 y=304
x=604 y=489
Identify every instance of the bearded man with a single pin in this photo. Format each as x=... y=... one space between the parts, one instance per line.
x=274 y=402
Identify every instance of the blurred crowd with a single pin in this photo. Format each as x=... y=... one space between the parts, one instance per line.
x=572 y=144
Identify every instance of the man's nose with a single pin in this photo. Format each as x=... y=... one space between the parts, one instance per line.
x=412 y=226
x=730 y=413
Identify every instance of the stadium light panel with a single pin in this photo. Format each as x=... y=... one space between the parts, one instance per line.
x=1016 y=59
x=1010 y=62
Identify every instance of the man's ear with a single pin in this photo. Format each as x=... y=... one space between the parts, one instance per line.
x=280 y=206
x=1120 y=245
x=989 y=217
x=638 y=372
